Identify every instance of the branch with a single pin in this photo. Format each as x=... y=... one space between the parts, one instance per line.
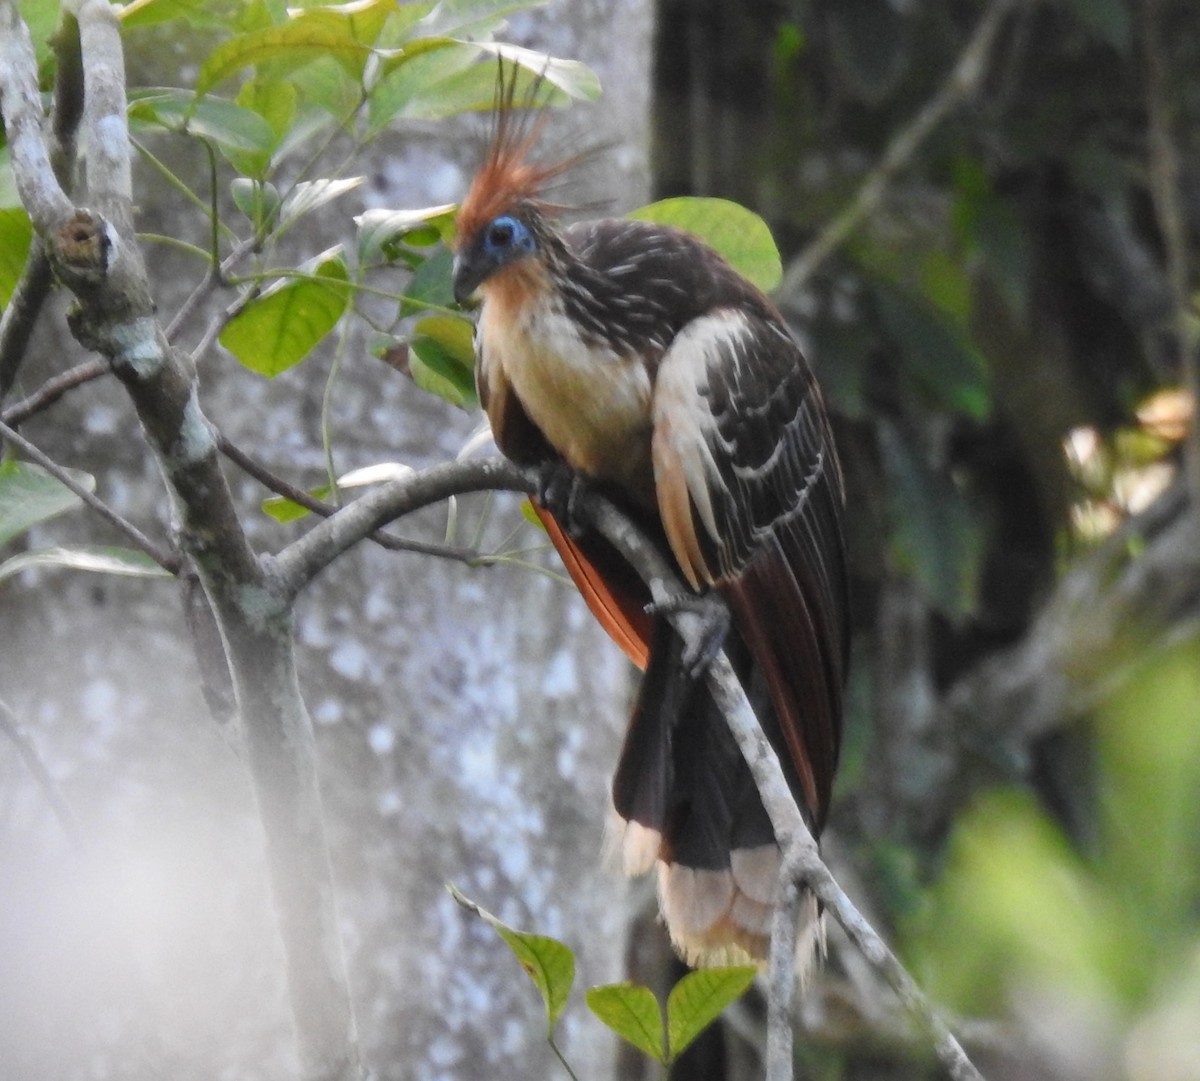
x=11 y=727
x=53 y=389
x=95 y=253
x=800 y=853
x=165 y=559
x=276 y=484
x=302 y=560
x=1111 y=605
x=36 y=280
x=960 y=85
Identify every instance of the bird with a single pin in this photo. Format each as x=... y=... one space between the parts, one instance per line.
x=631 y=358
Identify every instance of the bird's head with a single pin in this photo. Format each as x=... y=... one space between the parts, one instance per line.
x=494 y=244
x=504 y=218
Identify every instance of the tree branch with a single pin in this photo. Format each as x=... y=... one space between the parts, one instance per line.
x=95 y=252
x=961 y=84
x=800 y=853
x=165 y=559
x=305 y=558
x=279 y=486
x=296 y=565
x=53 y=389
x=11 y=727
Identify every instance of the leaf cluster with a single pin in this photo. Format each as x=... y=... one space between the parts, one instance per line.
x=630 y=1010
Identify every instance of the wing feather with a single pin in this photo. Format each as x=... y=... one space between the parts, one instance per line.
x=751 y=499
x=613 y=593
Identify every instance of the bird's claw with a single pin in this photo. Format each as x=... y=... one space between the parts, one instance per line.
x=561 y=490
x=705 y=637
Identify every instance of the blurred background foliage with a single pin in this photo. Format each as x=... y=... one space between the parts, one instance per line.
x=1002 y=341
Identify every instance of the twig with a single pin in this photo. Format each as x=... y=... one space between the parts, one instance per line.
x=305 y=558
x=781 y=979
x=275 y=483
x=53 y=389
x=169 y=561
x=962 y=82
x=1168 y=203
x=12 y=728
x=21 y=314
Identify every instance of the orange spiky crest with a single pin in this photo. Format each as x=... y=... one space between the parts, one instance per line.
x=508 y=181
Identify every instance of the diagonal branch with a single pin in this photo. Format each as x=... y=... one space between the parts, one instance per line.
x=961 y=84
x=11 y=726
x=297 y=564
x=168 y=560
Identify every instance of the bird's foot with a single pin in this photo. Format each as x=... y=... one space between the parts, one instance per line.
x=705 y=635
x=561 y=490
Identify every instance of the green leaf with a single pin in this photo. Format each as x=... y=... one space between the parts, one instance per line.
x=380 y=231
x=442 y=359
x=272 y=99
x=285 y=510
x=443 y=77
x=259 y=201
x=697 y=1000
x=197 y=13
x=279 y=329
x=468 y=18
x=633 y=1013
x=292 y=45
x=308 y=195
x=324 y=84
x=738 y=234
x=227 y=124
x=97 y=559
x=29 y=495
x=16 y=233
x=432 y=286
x=546 y=961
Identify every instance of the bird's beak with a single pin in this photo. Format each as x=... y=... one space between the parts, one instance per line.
x=468 y=276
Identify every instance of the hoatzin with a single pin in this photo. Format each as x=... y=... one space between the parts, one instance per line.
x=634 y=354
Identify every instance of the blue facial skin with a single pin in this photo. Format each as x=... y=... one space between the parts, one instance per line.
x=505 y=240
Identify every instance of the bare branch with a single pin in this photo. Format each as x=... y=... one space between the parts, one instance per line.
x=38 y=186
x=296 y=565
x=800 y=851
x=390 y=541
x=11 y=727
x=305 y=558
x=168 y=560
x=781 y=979
x=21 y=314
x=960 y=85
x=53 y=389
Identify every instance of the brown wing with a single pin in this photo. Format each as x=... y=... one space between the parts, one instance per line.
x=751 y=500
